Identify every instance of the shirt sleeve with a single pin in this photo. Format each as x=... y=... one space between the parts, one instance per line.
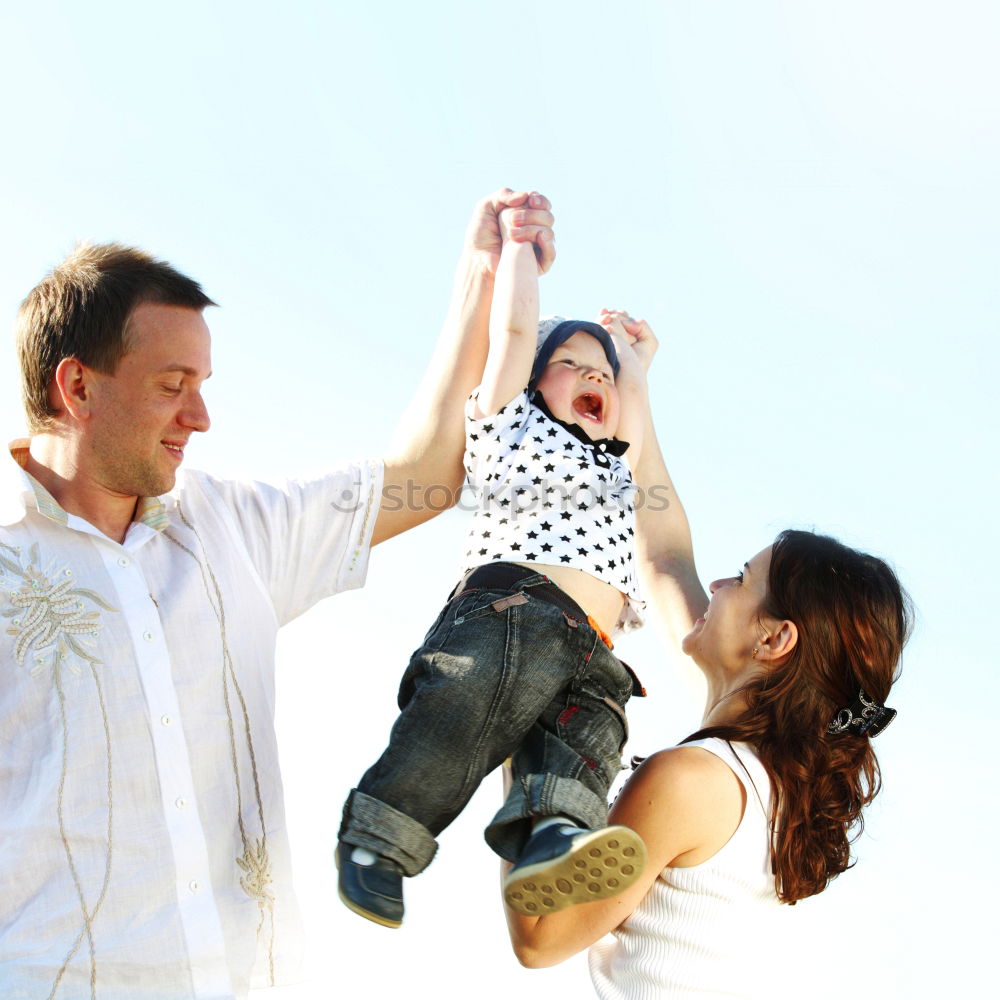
x=487 y=439
x=307 y=538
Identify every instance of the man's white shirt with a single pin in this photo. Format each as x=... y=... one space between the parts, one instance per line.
x=143 y=848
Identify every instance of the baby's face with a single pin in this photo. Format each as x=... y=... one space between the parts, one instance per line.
x=579 y=388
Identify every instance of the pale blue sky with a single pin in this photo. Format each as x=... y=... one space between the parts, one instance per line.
x=800 y=197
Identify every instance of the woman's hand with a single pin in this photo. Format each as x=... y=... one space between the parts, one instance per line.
x=637 y=333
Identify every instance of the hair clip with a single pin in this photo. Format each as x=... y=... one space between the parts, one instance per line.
x=864 y=715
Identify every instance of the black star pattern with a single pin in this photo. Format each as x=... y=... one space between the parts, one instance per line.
x=561 y=464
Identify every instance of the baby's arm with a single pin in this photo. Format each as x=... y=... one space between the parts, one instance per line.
x=426 y=452
x=513 y=325
x=636 y=345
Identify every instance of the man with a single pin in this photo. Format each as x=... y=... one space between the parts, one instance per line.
x=143 y=850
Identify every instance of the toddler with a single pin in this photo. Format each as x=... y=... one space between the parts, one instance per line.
x=519 y=663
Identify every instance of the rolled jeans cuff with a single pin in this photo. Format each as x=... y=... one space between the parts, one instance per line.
x=536 y=796
x=373 y=824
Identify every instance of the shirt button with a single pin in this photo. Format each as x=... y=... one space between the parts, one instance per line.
x=148 y=636
x=123 y=562
x=194 y=885
x=180 y=803
x=165 y=720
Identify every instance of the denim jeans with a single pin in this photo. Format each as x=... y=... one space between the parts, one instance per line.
x=500 y=673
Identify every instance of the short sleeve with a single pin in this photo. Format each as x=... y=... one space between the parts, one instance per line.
x=488 y=438
x=307 y=539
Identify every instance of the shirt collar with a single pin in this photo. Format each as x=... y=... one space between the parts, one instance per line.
x=20 y=492
x=602 y=446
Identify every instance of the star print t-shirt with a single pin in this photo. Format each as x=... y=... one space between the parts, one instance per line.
x=544 y=496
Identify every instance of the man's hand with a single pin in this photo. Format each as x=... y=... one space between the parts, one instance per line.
x=531 y=222
x=635 y=332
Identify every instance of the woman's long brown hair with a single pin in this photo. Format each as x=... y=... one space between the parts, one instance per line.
x=853 y=618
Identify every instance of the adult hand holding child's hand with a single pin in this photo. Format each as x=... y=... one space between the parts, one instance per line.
x=529 y=220
x=635 y=334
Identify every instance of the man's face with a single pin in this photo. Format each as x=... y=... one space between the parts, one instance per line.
x=143 y=415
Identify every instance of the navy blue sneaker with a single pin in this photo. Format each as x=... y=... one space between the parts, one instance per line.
x=372 y=891
x=565 y=865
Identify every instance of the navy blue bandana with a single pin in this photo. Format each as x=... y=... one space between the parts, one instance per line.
x=560 y=334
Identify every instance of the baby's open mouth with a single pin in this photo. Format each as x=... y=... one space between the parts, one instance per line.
x=590 y=406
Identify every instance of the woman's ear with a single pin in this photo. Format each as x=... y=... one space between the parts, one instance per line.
x=781 y=639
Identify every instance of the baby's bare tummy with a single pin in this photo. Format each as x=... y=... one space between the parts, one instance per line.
x=599 y=599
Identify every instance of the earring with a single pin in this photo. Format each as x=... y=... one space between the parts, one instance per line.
x=753 y=655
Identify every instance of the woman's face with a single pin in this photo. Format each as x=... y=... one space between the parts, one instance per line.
x=727 y=633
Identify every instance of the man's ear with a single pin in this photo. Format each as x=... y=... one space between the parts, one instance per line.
x=781 y=639
x=71 y=390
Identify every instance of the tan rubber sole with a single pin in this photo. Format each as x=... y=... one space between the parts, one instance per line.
x=600 y=866
x=367 y=914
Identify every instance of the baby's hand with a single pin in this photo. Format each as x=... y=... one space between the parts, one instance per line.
x=636 y=334
x=507 y=223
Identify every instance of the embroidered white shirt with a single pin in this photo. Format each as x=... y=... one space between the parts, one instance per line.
x=545 y=497
x=143 y=847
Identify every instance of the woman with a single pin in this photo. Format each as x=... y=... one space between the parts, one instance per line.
x=799 y=650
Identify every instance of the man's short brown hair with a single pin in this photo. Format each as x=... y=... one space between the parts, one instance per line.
x=81 y=310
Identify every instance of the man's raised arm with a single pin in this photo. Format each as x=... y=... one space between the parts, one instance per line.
x=423 y=470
